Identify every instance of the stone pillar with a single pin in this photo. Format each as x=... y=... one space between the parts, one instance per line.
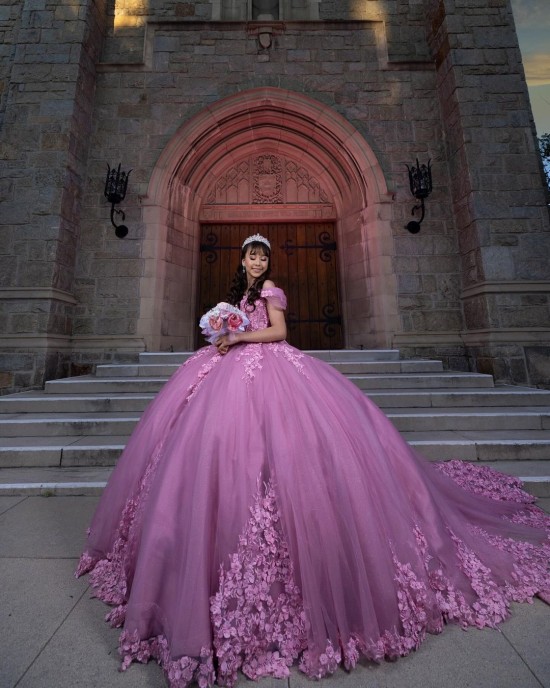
x=44 y=142
x=500 y=202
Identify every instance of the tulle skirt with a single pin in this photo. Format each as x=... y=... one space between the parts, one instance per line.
x=266 y=512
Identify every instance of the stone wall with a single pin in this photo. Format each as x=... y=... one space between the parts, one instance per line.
x=499 y=201
x=88 y=84
x=393 y=105
x=10 y=20
x=43 y=146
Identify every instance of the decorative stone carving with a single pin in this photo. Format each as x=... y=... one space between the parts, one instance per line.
x=307 y=187
x=229 y=187
x=267 y=180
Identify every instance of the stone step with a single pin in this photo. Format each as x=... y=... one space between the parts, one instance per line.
x=92 y=480
x=65 y=451
x=408 y=420
x=509 y=397
x=502 y=396
x=164 y=357
x=342 y=355
x=103 y=450
x=39 y=402
x=91 y=384
x=421 y=381
x=355 y=354
x=480 y=445
x=471 y=418
x=66 y=424
x=158 y=370
x=48 y=482
x=85 y=421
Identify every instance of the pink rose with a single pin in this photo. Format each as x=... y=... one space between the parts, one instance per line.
x=215 y=323
x=234 y=321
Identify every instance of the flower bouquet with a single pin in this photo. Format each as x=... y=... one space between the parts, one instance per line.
x=222 y=319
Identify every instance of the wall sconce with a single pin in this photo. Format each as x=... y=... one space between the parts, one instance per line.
x=420 y=180
x=116 y=184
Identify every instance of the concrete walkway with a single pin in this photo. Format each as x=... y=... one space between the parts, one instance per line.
x=53 y=634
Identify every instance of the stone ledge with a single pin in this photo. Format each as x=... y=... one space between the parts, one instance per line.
x=505 y=286
x=516 y=336
x=431 y=339
x=35 y=342
x=37 y=293
x=119 y=344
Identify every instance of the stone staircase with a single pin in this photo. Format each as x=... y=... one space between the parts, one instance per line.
x=66 y=438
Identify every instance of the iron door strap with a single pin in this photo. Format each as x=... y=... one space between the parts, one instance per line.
x=329 y=321
x=324 y=242
x=211 y=247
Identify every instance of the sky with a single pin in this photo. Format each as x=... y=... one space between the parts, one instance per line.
x=532 y=19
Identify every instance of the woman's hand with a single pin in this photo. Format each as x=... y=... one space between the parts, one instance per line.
x=225 y=341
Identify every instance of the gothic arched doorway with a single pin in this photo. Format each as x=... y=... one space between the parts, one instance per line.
x=344 y=187
x=275 y=184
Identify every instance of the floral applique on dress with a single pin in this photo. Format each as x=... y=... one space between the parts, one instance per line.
x=280 y=517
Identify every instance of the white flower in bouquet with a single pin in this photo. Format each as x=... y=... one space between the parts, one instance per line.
x=222 y=319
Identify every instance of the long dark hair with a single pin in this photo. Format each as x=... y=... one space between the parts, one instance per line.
x=239 y=285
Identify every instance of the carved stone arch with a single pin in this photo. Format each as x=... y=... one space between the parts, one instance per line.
x=246 y=126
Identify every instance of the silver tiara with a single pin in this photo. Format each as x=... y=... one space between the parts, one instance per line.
x=256 y=237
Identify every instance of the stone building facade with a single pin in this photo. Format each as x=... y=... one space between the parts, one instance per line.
x=262 y=112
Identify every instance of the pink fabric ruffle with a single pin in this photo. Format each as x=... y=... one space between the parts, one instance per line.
x=275 y=296
x=259 y=623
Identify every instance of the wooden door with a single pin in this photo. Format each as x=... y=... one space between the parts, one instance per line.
x=303 y=263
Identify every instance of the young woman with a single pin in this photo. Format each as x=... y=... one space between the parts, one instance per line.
x=265 y=511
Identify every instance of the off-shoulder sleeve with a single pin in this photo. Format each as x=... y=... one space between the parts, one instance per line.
x=275 y=296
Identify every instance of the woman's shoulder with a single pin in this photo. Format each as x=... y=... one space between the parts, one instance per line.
x=273 y=295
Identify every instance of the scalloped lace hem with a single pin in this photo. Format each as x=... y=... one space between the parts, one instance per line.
x=260 y=627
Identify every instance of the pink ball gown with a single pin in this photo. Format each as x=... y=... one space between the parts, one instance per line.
x=265 y=512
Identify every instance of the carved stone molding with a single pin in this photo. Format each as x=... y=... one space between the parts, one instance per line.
x=284 y=212
x=304 y=183
x=266 y=179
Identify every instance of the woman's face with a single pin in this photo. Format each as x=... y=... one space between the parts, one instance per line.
x=255 y=263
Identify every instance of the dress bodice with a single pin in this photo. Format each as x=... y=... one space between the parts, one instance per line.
x=259 y=317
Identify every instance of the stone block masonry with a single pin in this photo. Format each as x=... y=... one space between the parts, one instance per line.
x=46 y=108
x=193 y=63
x=500 y=206
x=84 y=83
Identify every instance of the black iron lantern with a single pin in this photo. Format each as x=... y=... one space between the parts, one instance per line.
x=420 y=181
x=116 y=185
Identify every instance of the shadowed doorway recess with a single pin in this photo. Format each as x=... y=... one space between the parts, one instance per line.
x=304 y=264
